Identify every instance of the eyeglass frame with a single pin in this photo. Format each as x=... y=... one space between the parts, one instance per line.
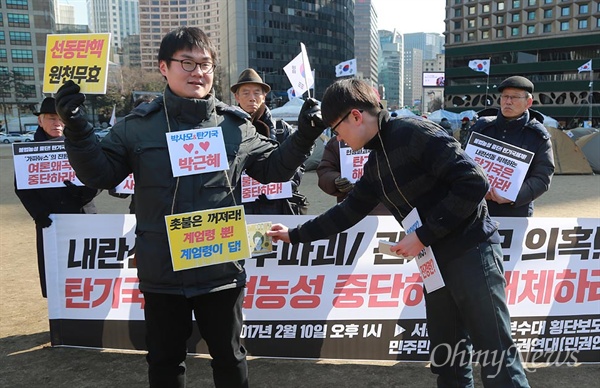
x=510 y=98
x=196 y=65
x=333 y=131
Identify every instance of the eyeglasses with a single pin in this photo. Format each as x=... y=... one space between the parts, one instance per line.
x=189 y=65
x=333 y=131
x=510 y=98
x=248 y=94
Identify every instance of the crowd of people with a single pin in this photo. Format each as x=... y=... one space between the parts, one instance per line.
x=414 y=165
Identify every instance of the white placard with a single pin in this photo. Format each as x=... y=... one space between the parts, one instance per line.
x=352 y=162
x=252 y=189
x=42 y=165
x=197 y=151
x=505 y=164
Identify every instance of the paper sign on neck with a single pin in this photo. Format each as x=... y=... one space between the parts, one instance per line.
x=428 y=267
x=197 y=151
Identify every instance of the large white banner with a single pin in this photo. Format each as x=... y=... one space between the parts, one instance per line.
x=340 y=297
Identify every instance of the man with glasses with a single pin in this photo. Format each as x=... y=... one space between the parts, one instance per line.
x=414 y=166
x=250 y=92
x=517 y=124
x=138 y=144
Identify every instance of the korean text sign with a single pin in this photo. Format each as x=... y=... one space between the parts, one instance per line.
x=340 y=295
x=207 y=237
x=352 y=162
x=252 y=189
x=82 y=58
x=197 y=151
x=40 y=165
x=504 y=164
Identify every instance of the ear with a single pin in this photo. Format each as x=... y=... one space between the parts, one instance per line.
x=163 y=67
x=357 y=116
x=39 y=119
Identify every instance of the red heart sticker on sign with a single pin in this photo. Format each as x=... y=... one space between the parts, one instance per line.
x=188 y=147
x=204 y=145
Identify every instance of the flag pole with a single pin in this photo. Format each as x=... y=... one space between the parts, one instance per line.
x=305 y=54
x=487 y=83
x=591 y=96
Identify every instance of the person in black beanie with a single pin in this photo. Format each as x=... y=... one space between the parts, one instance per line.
x=40 y=203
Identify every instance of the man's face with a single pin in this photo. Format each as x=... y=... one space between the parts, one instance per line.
x=355 y=128
x=250 y=97
x=52 y=124
x=186 y=84
x=514 y=102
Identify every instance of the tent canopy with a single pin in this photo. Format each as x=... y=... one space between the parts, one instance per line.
x=289 y=111
x=454 y=118
x=403 y=112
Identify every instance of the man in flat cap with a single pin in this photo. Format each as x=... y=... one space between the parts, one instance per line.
x=517 y=124
x=250 y=93
x=40 y=203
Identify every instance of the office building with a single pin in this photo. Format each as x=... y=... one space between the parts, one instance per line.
x=418 y=46
x=546 y=41
x=118 y=17
x=391 y=68
x=266 y=36
x=24 y=25
x=366 y=41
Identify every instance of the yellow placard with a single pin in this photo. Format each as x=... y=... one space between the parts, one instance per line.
x=207 y=237
x=82 y=58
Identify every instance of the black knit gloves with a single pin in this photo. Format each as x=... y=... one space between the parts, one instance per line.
x=69 y=106
x=310 y=122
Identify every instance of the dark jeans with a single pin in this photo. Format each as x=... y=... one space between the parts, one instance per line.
x=169 y=325
x=471 y=312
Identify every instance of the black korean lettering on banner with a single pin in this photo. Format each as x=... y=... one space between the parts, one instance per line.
x=381 y=259
x=507 y=238
x=334 y=252
x=107 y=252
x=538 y=238
x=108 y=249
x=577 y=241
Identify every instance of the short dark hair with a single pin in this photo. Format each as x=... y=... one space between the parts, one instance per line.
x=346 y=94
x=185 y=38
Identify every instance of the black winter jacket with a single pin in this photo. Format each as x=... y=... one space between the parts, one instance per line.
x=529 y=133
x=138 y=144
x=414 y=163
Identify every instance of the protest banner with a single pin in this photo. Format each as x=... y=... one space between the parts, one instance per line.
x=333 y=298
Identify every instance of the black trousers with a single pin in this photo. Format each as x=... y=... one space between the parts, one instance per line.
x=169 y=325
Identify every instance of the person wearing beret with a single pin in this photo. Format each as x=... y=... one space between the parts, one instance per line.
x=250 y=93
x=517 y=124
x=40 y=203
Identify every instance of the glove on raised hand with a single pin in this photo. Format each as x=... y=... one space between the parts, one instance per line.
x=43 y=221
x=343 y=184
x=69 y=106
x=310 y=121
